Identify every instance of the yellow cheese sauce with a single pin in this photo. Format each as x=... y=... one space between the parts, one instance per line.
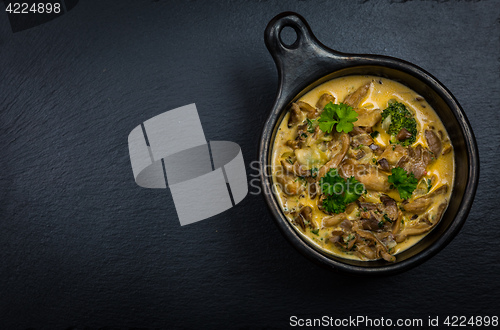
x=439 y=172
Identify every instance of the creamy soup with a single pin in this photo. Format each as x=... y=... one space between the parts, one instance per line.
x=362 y=167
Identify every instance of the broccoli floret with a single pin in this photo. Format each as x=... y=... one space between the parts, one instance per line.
x=396 y=117
x=334 y=204
x=339 y=191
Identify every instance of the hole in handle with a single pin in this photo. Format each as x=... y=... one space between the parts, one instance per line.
x=289 y=37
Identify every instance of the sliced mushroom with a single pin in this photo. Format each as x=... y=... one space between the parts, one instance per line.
x=393 y=154
x=352 y=242
x=300 y=138
x=310 y=111
x=335 y=161
x=416 y=162
x=306 y=213
x=368 y=206
x=397 y=224
x=361 y=140
x=371 y=223
x=387 y=256
x=289 y=169
x=357 y=130
x=355 y=98
x=367 y=251
x=360 y=154
x=384 y=164
x=296 y=116
x=299 y=170
x=403 y=134
x=324 y=100
x=441 y=190
x=421 y=204
x=304 y=217
x=440 y=211
x=380 y=247
x=447 y=149
x=294 y=144
x=289 y=184
x=418 y=206
x=411 y=232
x=375 y=148
x=367 y=174
x=423 y=226
x=373 y=179
x=434 y=142
x=346 y=225
x=367 y=117
x=391 y=208
x=336 y=237
x=334 y=220
x=299 y=220
x=312 y=187
x=302 y=132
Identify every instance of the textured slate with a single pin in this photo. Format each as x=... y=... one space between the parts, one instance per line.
x=82 y=246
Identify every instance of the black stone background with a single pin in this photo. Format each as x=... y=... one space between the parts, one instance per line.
x=82 y=246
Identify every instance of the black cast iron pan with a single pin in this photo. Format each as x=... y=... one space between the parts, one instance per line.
x=306 y=64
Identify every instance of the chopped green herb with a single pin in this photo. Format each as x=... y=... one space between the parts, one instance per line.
x=315 y=231
x=339 y=115
x=429 y=185
x=374 y=134
x=310 y=125
x=289 y=160
x=404 y=183
x=304 y=135
x=349 y=238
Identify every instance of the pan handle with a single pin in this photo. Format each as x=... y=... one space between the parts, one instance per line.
x=306 y=60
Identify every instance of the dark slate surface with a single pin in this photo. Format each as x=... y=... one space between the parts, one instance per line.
x=82 y=246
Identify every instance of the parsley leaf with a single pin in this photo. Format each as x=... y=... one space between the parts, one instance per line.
x=404 y=183
x=340 y=115
x=339 y=192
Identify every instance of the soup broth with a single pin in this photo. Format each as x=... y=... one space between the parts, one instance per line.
x=362 y=167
